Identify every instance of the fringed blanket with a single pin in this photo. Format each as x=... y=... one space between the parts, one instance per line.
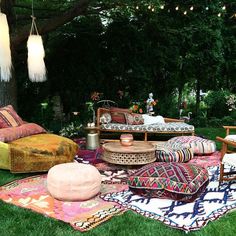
x=212 y=204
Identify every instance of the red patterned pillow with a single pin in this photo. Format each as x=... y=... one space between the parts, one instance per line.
x=9 y=117
x=14 y=133
x=178 y=181
x=134 y=119
x=118 y=115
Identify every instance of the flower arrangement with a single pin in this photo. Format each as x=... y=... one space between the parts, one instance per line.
x=70 y=130
x=231 y=101
x=136 y=107
x=95 y=96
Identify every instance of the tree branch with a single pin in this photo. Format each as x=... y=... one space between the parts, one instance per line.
x=79 y=8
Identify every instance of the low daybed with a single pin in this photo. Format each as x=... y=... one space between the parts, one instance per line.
x=168 y=126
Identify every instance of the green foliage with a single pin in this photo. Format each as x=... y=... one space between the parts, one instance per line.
x=216 y=103
x=71 y=130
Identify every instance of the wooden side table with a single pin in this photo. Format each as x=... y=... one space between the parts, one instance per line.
x=140 y=153
x=92 y=140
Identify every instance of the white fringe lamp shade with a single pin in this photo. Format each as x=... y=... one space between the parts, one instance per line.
x=5 y=51
x=36 y=65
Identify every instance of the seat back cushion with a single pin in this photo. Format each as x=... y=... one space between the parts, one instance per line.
x=9 y=117
x=118 y=115
x=177 y=181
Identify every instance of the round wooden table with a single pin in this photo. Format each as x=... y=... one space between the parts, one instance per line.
x=140 y=153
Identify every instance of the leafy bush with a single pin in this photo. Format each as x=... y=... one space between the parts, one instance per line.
x=216 y=103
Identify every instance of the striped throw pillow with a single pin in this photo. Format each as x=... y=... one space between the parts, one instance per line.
x=9 y=117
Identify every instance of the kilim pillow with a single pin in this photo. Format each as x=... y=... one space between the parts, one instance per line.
x=13 y=133
x=118 y=115
x=177 y=181
x=168 y=153
x=9 y=117
x=198 y=144
x=134 y=119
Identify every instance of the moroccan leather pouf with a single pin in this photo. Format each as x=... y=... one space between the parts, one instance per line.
x=73 y=182
x=199 y=145
x=177 y=181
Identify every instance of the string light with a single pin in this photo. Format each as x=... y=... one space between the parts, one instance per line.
x=177 y=8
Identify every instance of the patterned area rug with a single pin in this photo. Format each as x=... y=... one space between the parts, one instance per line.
x=212 y=204
x=31 y=193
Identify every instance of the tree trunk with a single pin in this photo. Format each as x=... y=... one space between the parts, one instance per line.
x=197 y=97
x=8 y=93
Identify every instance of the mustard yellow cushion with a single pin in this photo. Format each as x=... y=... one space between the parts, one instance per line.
x=4 y=156
x=40 y=152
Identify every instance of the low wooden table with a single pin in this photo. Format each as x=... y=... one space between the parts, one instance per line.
x=140 y=153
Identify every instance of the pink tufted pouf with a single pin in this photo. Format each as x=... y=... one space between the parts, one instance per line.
x=73 y=181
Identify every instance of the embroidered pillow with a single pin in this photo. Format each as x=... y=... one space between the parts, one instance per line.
x=134 y=119
x=9 y=117
x=13 y=133
x=118 y=115
x=105 y=118
x=177 y=181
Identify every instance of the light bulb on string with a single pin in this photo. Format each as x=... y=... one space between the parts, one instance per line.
x=224 y=7
x=137 y=7
x=185 y=12
x=191 y=8
x=219 y=15
x=177 y=8
x=149 y=7
x=207 y=8
x=153 y=9
x=162 y=7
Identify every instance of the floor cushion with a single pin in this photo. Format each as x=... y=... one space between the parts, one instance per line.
x=177 y=181
x=199 y=145
x=167 y=153
x=73 y=181
x=40 y=152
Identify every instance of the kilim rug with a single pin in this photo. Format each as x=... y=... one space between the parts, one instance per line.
x=212 y=204
x=31 y=193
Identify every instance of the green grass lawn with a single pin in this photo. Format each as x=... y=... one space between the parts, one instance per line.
x=18 y=221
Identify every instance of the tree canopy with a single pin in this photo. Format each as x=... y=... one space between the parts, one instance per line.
x=132 y=46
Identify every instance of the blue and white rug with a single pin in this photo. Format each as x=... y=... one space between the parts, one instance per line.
x=212 y=204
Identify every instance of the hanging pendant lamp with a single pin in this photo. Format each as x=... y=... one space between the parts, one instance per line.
x=5 y=51
x=36 y=54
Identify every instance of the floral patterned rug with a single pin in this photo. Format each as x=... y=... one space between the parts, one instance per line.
x=32 y=193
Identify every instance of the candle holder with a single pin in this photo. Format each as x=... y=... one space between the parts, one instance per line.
x=126 y=139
